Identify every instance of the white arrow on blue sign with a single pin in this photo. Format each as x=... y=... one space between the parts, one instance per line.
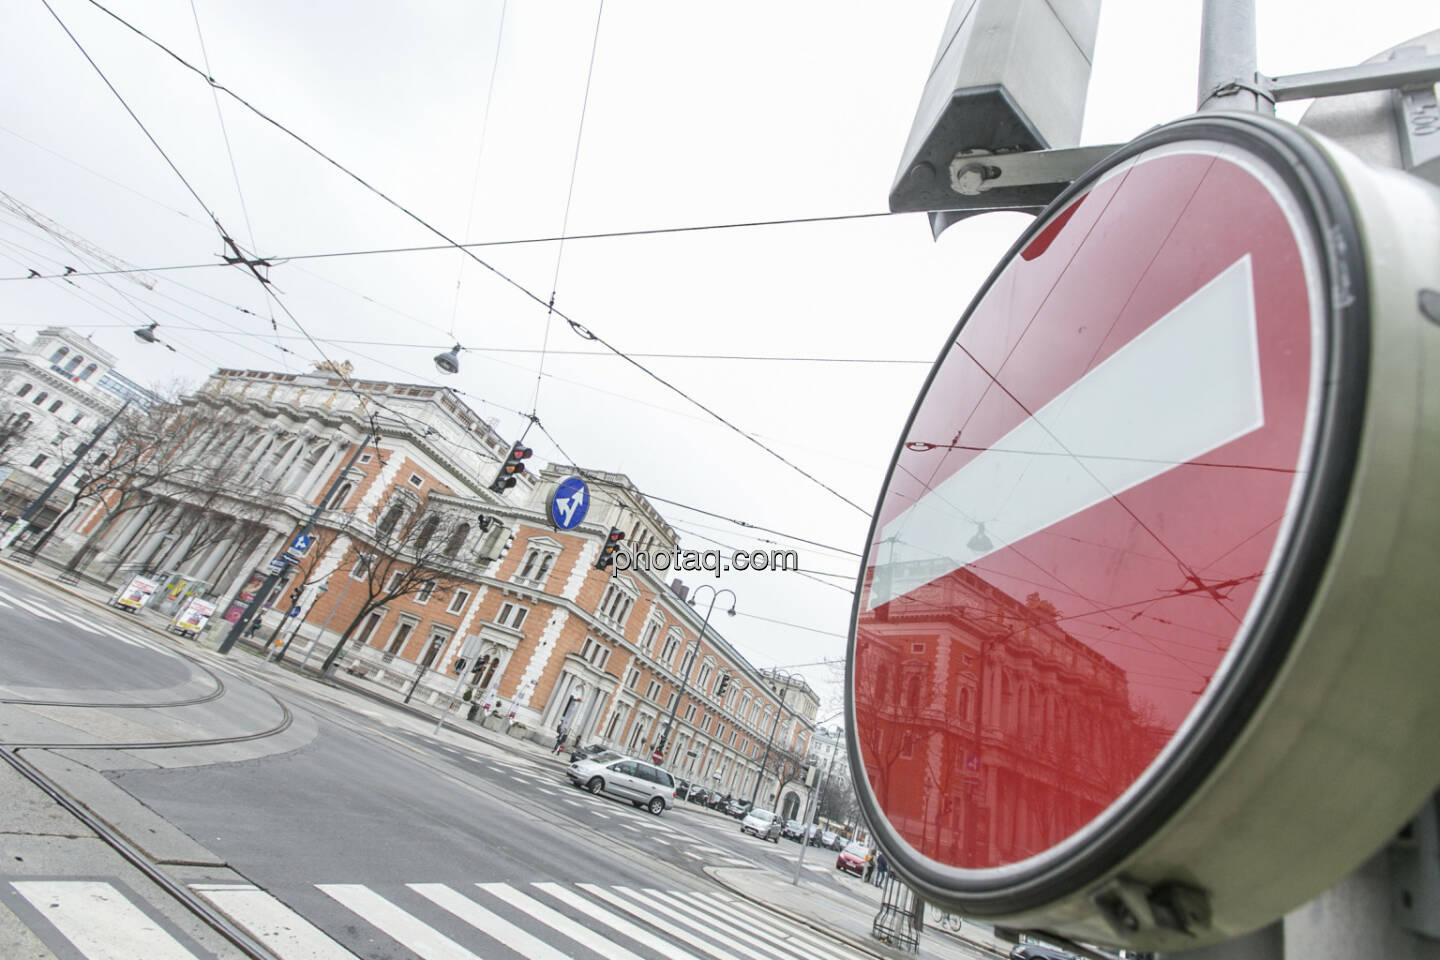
x=301 y=543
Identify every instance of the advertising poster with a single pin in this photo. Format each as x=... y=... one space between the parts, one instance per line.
x=136 y=593
x=195 y=615
x=247 y=593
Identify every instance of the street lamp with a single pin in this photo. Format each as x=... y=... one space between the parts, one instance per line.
x=449 y=361
x=775 y=675
x=686 y=666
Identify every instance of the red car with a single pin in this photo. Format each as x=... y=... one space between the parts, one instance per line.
x=853 y=859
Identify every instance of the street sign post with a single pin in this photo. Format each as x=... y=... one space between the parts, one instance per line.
x=657 y=756
x=1156 y=540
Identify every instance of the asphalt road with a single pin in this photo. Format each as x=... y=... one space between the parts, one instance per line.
x=370 y=838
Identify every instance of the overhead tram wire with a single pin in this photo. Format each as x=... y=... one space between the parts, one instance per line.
x=575 y=325
x=565 y=220
x=479 y=244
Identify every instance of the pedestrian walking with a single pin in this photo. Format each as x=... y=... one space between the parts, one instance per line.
x=560 y=734
x=254 y=626
x=881 y=868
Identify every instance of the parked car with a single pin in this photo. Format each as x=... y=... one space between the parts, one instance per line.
x=763 y=824
x=593 y=751
x=682 y=789
x=642 y=784
x=852 y=859
x=698 y=795
x=829 y=839
x=717 y=802
x=792 y=830
x=1037 y=951
x=737 y=808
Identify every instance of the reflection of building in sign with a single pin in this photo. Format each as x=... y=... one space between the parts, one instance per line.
x=998 y=733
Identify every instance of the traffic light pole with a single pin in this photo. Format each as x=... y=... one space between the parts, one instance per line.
x=685 y=674
x=789 y=678
x=812 y=810
x=257 y=603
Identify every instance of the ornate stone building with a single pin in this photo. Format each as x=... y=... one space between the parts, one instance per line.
x=415 y=556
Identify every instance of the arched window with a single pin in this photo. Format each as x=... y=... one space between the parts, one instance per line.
x=40 y=398
x=59 y=355
x=392 y=517
x=74 y=362
x=338 y=501
x=88 y=371
x=427 y=531
x=457 y=540
x=24 y=389
x=55 y=407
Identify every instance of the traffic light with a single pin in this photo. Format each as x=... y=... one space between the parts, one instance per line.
x=511 y=469
x=607 y=552
x=722 y=685
x=295 y=594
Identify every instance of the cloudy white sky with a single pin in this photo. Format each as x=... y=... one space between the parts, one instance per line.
x=697 y=114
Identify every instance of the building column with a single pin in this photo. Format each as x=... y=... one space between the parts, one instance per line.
x=314 y=485
x=269 y=543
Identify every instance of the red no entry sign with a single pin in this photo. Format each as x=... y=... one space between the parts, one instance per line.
x=656 y=756
x=1107 y=515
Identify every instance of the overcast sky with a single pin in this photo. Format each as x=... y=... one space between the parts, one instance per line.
x=697 y=115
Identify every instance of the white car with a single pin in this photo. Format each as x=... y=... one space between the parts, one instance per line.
x=642 y=784
x=763 y=824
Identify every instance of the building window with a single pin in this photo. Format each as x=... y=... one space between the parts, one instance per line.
x=647 y=640
x=670 y=700
x=457 y=540
x=397 y=639
x=426 y=591
x=88 y=372
x=40 y=398
x=74 y=362
x=396 y=577
x=24 y=389
x=653 y=691
x=690 y=713
x=703 y=681
x=535 y=569
x=511 y=615
x=632 y=678
x=38 y=460
x=458 y=601
x=366 y=457
x=415 y=480
x=55 y=407
x=667 y=653
x=391 y=520
x=77 y=418
x=427 y=532
x=615 y=604
x=341 y=495
x=595 y=652
x=59 y=355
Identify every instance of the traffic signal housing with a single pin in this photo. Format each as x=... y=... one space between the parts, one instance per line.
x=511 y=469
x=721 y=687
x=607 y=552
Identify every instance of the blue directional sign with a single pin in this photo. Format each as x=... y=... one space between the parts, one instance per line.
x=302 y=543
x=569 y=504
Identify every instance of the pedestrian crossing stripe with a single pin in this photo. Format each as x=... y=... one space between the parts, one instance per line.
x=542 y=921
x=31 y=608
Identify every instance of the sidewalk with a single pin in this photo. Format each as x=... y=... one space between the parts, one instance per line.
x=848 y=918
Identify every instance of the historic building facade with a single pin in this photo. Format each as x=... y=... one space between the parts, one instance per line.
x=416 y=561
x=54 y=392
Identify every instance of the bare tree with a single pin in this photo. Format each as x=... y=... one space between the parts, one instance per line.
x=408 y=553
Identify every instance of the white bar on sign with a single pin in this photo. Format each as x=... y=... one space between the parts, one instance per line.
x=1187 y=385
x=99 y=920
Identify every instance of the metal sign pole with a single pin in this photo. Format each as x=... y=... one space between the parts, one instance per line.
x=1227 y=57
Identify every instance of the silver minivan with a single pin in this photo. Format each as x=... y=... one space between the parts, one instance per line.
x=641 y=783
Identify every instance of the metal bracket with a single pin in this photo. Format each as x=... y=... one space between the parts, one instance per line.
x=1405 y=74
x=1130 y=906
x=978 y=181
x=1415 y=872
x=1417 y=119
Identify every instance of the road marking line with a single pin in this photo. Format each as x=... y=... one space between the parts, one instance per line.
x=617 y=923
x=412 y=933
x=488 y=923
x=559 y=922
x=1188 y=385
x=31 y=608
x=272 y=922
x=729 y=926
x=659 y=923
x=756 y=918
x=100 y=921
